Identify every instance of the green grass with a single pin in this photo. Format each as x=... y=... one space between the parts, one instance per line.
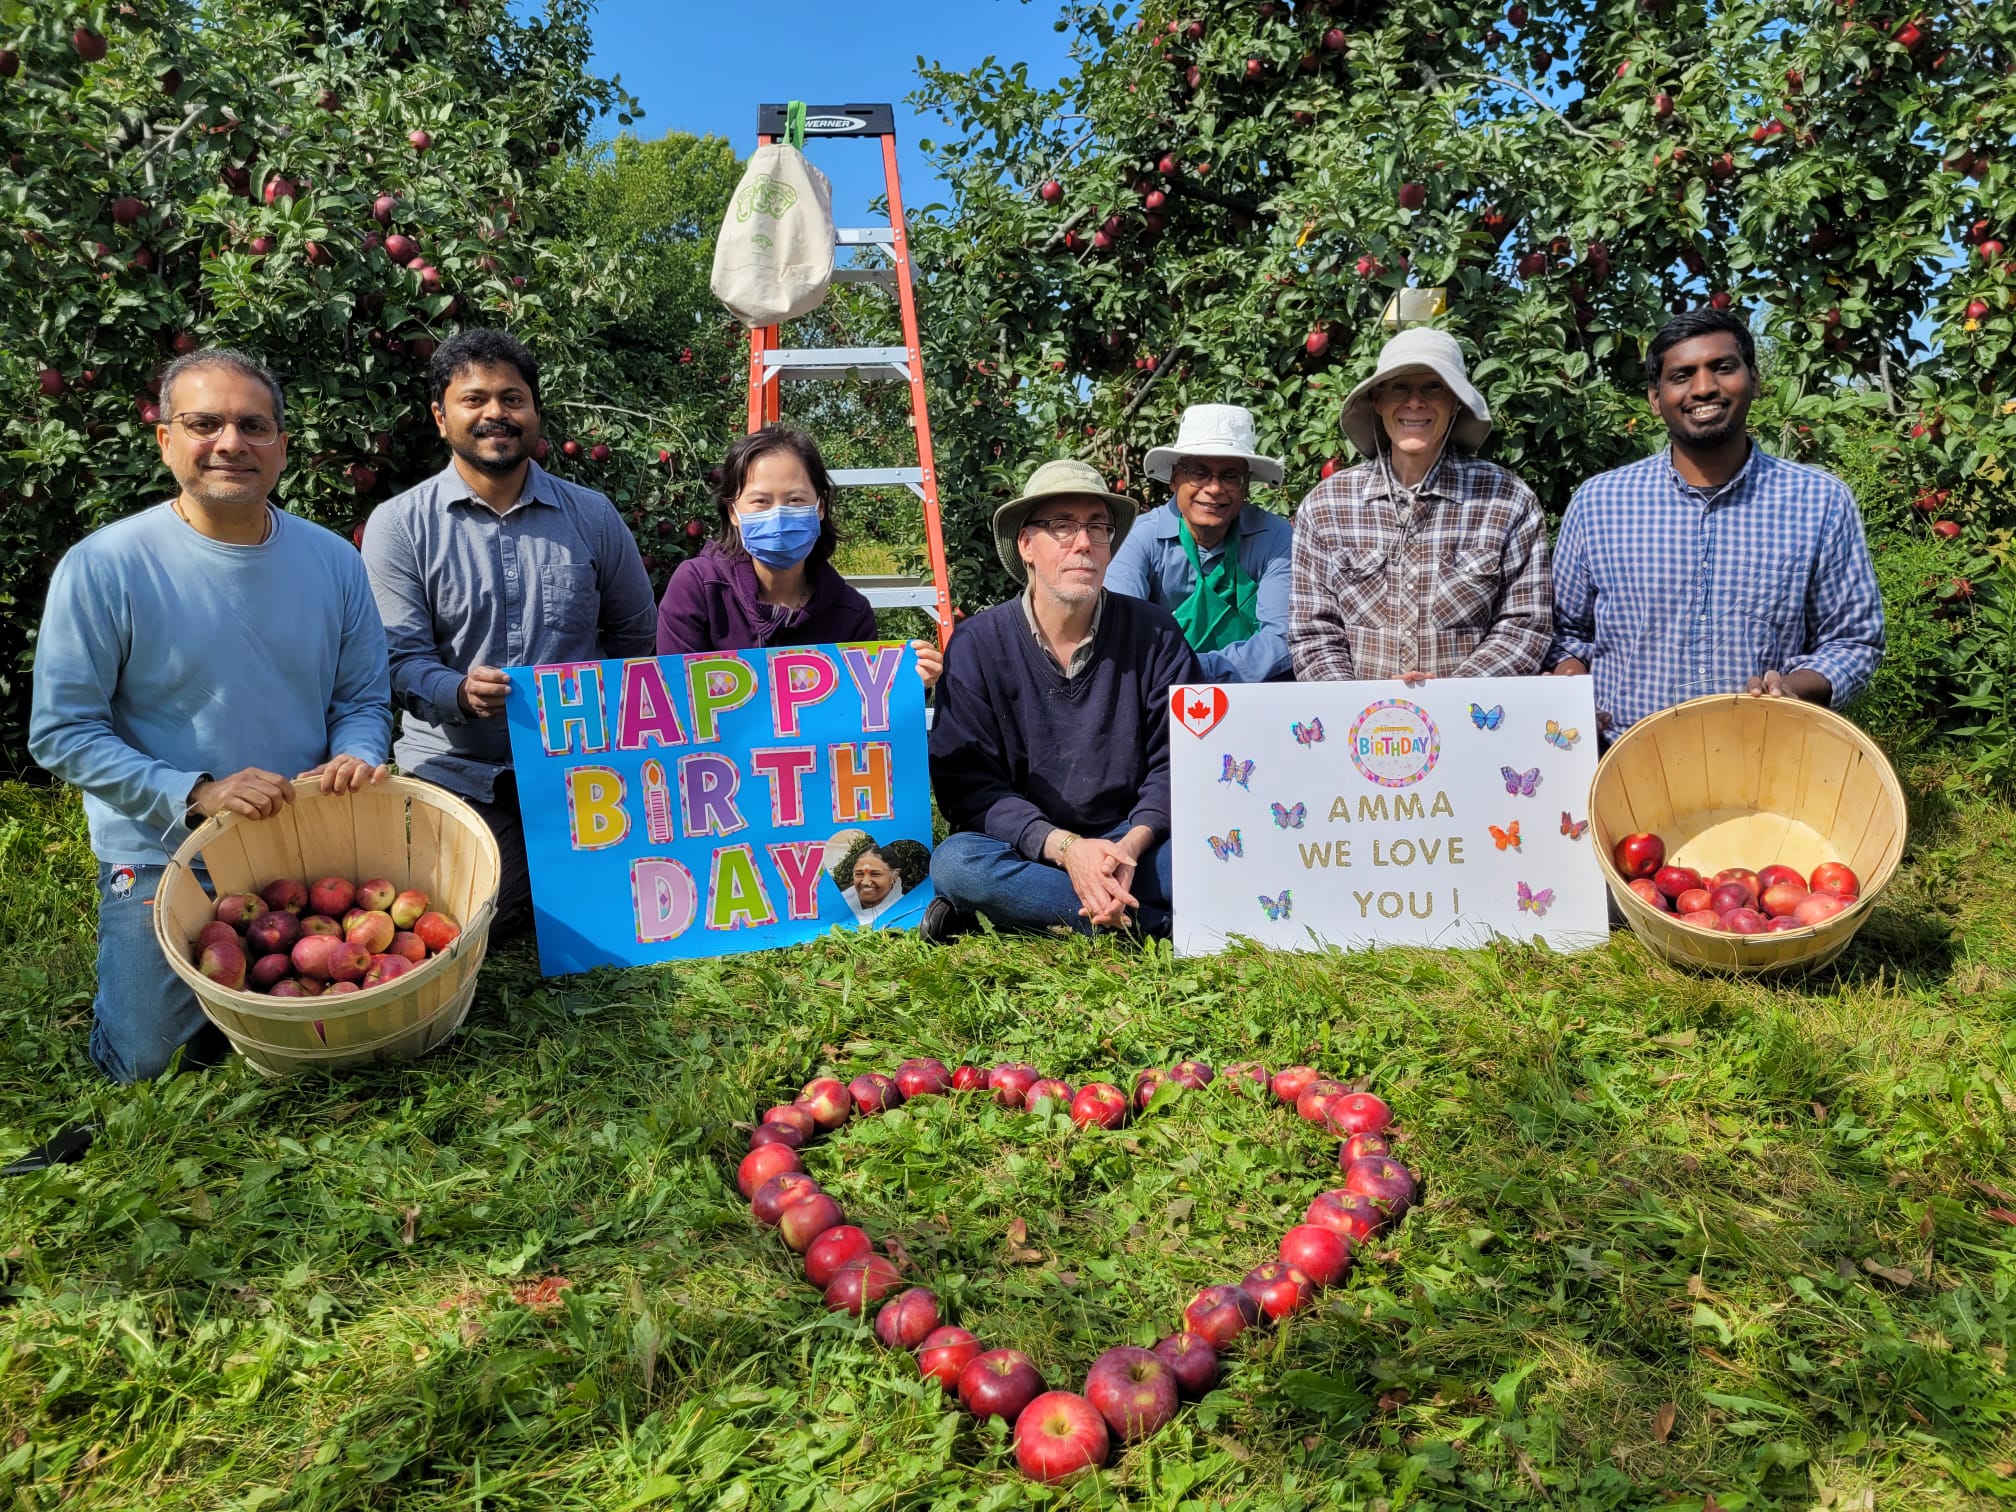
x=1765 y=1205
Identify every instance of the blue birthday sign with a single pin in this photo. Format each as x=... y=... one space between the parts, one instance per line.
x=703 y=805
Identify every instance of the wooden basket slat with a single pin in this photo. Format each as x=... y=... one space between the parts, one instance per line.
x=229 y=866
x=379 y=823
x=328 y=838
x=271 y=850
x=1768 y=780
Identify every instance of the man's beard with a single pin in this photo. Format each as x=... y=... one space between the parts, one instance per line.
x=491 y=464
x=1732 y=424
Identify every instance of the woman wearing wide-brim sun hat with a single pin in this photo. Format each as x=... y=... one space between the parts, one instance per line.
x=1419 y=561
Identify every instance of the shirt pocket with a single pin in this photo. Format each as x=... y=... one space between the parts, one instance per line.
x=1358 y=586
x=1468 y=584
x=570 y=600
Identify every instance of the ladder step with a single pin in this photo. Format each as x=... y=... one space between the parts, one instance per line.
x=838 y=362
x=877 y=477
x=881 y=277
x=864 y=236
x=896 y=591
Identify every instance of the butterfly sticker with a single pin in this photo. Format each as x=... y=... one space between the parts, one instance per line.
x=1535 y=903
x=1506 y=839
x=1289 y=818
x=1563 y=739
x=1237 y=771
x=1308 y=734
x=1277 y=908
x=1487 y=719
x=1228 y=845
x=1519 y=784
x=1571 y=828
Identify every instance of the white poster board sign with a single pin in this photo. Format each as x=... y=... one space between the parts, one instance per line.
x=1370 y=813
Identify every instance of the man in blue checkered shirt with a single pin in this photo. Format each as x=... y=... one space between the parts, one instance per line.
x=1713 y=567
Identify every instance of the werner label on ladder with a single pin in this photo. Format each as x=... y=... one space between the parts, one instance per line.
x=771 y=364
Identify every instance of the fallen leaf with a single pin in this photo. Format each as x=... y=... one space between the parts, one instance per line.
x=1916 y=1416
x=1712 y=1505
x=893 y=1248
x=1662 y=1422
x=1233 y=1447
x=1526 y=1465
x=541 y=1294
x=1991 y=1191
x=1710 y=1353
x=2001 y=1214
x=540 y=1110
x=472 y=1331
x=420 y=1352
x=1681 y=1041
x=1925 y=1225
x=1696 y=1287
x=2003 y=1468
x=1393 y=1401
x=410 y=1229
x=1820 y=1111
x=1018 y=1232
x=1896 y=1275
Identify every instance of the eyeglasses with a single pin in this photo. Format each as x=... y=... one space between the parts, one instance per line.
x=253 y=430
x=1196 y=472
x=1064 y=532
x=1402 y=390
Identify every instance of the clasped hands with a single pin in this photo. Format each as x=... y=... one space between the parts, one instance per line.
x=1101 y=872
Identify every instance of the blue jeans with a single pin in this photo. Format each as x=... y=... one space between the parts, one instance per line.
x=982 y=875
x=142 y=1014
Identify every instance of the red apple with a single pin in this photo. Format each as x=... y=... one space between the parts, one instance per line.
x=285 y=893
x=759 y=1165
x=1382 y=1180
x=923 y=1077
x=804 y=1220
x=791 y=1116
x=1413 y=196
x=908 y=1319
x=1101 y=1104
x=126 y=209
x=1345 y=1212
x=1779 y=901
x=1675 y=880
x=215 y=931
x=1772 y=876
x=1702 y=918
x=1316 y=343
x=1056 y=1093
x=1743 y=921
x=1313 y=1106
x=1730 y=895
x=1146 y=1085
x=419 y=140
x=968 y=1078
x=1219 y=1314
x=1648 y=892
x=1736 y=874
x=311 y=956
x=408 y=944
x=1640 y=855
x=945 y=1354
x=826 y=1099
x=1833 y=877
x=872 y=1092
x=1817 y=908
x=1360 y=1146
x=775 y=1134
x=320 y=924
x=347 y=961
x=1779 y=926
x=401 y=249
x=1278 y=1288
x=269 y=970
x=1059 y=1435
x=1011 y=1081
x=999 y=1383
x=88 y=44
x=239 y=909
x=1240 y=1074
x=1134 y=1390
x=1289 y=1085
x=332 y=895
x=1322 y=1254
x=386 y=968
x=339 y=989
x=1694 y=900
x=1196 y=1075
x=275 y=930
x=1359 y=1113
x=833 y=1249
x=294 y=987
x=861 y=1284
x=372 y=930
x=1051 y=191
x=778 y=1193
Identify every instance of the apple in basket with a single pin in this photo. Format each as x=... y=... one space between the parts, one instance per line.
x=223 y=962
x=334 y=896
x=408 y=944
x=407 y=907
x=347 y=962
x=386 y=968
x=372 y=930
x=275 y=930
x=239 y=909
x=285 y=895
x=436 y=930
x=376 y=895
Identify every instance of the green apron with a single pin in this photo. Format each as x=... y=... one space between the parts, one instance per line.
x=1220 y=610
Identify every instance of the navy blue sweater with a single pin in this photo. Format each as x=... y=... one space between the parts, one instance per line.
x=1017 y=751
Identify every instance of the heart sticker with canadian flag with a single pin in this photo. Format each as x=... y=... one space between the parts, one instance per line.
x=1198 y=710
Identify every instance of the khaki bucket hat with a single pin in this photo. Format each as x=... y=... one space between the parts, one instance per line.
x=1062 y=478
x=1419 y=351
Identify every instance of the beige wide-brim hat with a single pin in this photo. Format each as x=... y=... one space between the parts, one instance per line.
x=1214 y=430
x=1418 y=351
x=1062 y=478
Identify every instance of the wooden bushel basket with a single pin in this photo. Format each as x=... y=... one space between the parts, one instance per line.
x=1734 y=780
x=414 y=834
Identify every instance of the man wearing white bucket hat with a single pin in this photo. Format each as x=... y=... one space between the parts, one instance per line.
x=1419 y=561
x=1216 y=562
x=1050 y=741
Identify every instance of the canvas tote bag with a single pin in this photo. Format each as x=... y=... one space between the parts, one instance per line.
x=774 y=257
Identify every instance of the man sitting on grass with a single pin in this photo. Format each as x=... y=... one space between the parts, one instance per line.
x=1050 y=745
x=194 y=658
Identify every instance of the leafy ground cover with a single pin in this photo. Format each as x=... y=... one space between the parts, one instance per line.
x=1688 y=1242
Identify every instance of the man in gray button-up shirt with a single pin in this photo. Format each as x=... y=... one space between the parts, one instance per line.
x=494 y=562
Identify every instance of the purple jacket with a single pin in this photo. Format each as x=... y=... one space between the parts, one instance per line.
x=711 y=605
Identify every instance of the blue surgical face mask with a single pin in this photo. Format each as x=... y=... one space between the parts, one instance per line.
x=780 y=537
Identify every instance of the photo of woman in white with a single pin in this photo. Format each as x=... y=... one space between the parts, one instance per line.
x=876 y=887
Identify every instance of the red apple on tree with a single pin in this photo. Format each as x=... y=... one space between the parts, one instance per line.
x=1051 y=191
x=88 y=44
x=420 y=141
x=1316 y=343
x=1413 y=196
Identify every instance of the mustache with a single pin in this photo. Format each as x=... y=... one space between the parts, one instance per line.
x=498 y=428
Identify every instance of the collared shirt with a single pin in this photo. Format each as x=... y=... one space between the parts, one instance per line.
x=1152 y=564
x=1450 y=578
x=1080 y=658
x=1669 y=592
x=555 y=578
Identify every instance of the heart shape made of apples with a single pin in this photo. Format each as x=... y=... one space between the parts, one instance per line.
x=1129 y=1392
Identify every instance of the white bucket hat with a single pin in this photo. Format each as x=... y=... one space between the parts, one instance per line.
x=1420 y=350
x=1214 y=430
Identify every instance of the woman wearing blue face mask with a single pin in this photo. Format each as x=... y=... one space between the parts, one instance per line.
x=767 y=577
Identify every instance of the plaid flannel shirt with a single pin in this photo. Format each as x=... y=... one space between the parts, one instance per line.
x=1454 y=582
x=1668 y=592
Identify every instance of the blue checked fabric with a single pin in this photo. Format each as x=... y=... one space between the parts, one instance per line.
x=1668 y=592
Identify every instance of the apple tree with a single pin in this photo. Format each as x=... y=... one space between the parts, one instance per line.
x=1222 y=200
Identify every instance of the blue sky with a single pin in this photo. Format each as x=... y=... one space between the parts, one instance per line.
x=704 y=68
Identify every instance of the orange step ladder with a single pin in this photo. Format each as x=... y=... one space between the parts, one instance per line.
x=772 y=364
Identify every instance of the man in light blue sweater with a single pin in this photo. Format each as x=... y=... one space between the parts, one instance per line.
x=193 y=659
